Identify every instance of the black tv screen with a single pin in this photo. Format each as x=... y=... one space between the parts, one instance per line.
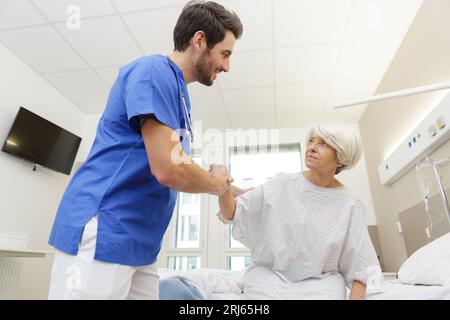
x=39 y=141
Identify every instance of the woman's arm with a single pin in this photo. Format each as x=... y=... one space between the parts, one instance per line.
x=358 y=291
x=227 y=204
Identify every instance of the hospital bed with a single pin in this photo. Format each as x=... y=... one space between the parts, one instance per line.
x=218 y=285
x=426 y=272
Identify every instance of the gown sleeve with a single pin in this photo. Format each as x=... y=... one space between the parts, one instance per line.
x=358 y=258
x=246 y=221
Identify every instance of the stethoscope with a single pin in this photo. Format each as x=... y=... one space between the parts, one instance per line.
x=187 y=117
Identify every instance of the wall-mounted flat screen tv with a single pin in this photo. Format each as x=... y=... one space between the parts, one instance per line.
x=41 y=142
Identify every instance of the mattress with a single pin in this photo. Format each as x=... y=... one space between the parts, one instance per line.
x=218 y=284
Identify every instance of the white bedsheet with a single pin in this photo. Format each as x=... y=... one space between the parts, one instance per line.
x=219 y=284
x=395 y=290
x=209 y=281
x=214 y=284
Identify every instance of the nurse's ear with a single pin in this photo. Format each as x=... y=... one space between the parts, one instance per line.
x=199 y=41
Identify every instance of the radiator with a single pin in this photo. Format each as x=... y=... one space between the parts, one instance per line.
x=10 y=267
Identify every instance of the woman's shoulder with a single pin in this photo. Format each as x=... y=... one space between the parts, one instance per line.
x=355 y=202
x=346 y=198
x=282 y=177
x=281 y=182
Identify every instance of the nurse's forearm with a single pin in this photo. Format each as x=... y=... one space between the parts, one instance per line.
x=227 y=205
x=172 y=167
x=191 y=178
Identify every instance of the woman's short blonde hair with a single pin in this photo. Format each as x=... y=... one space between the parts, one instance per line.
x=343 y=138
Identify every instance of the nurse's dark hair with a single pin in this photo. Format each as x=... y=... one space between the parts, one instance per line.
x=207 y=16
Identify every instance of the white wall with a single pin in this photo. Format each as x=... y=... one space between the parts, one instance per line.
x=423 y=58
x=29 y=199
x=89 y=128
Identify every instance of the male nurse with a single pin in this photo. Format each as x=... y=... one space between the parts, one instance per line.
x=113 y=215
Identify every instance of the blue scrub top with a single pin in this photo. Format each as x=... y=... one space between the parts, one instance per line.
x=115 y=181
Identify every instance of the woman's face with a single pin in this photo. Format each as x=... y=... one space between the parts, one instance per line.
x=320 y=156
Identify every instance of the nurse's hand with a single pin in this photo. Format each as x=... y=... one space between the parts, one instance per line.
x=221 y=172
x=218 y=169
x=222 y=183
x=222 y=169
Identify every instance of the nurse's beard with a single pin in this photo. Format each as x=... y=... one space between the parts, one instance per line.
x=204 y=70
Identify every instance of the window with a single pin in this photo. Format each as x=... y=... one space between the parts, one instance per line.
x=196 y=238
x=193 y=228
x=182 y=247
x=252 y=166
x=187 y=216
x=187 y=198
x=238 y=263
x=183 y=263
x=181 y=229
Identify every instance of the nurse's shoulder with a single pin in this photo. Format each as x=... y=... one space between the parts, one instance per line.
x=146 y=68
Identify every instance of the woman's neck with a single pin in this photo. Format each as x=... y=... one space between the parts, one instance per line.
x=322 y=179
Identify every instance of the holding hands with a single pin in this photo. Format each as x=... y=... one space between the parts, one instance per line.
x=219 y=169
x=222 y=171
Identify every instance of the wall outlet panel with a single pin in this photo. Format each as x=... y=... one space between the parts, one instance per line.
x=429 y=135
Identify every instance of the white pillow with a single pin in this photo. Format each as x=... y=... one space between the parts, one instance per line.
x=430 y=265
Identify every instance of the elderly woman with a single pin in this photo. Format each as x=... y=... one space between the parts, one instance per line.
x=306 y=231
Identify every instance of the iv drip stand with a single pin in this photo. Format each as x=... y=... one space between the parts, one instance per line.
x=435 y=163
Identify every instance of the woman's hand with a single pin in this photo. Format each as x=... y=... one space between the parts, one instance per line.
x=236 y=191
x=358 y=291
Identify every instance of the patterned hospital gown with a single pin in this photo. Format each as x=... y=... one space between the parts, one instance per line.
x=306 y=242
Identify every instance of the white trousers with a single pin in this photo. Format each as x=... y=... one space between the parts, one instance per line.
x=81 y=277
